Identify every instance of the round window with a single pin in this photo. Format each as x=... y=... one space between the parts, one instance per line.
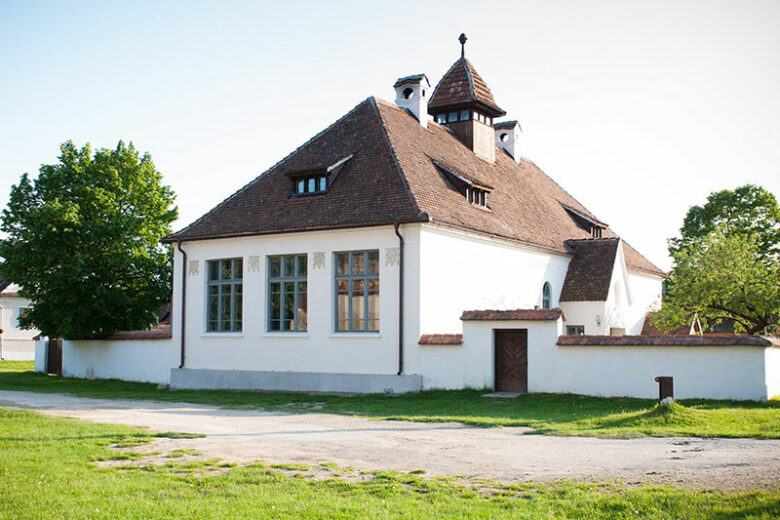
x=503 y=137
x=408 y=92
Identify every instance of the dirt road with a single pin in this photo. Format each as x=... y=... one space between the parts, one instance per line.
x=502 y=454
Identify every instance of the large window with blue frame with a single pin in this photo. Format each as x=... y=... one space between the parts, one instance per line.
x=224 y=295
x=357 y=291
x=287 y=293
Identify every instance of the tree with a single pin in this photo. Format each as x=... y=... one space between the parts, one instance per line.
x=723 y=275
x=748 y=210
x=83 y=242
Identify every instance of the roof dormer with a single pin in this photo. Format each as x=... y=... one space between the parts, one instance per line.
x=411 y=93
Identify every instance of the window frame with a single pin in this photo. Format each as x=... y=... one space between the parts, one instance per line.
x=350 y=278
x=319 y=181
x=575 y=330
x=236 y=296
x=283 y=278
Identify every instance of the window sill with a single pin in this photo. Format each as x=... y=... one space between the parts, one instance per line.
x=222 y=335
x=362 y=335
x=286 y=335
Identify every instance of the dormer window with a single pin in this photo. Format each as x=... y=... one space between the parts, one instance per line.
x=311 y=184
x=477 y=196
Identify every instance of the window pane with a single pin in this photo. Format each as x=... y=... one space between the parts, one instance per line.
x=358 y=309
x=289 y=303
x=213 y=270
x=373 y=262
x=275 y=325
x=212 y=326
x=302 y=265
x=342 y=263
x=275 y=267
x=312 y=185
x=358 y=263
x=238 y=269
x=452 y=117
x=288 y=266
x=300 y=186
x=275 y=308
x=302 y=301
x=224 y=318
x=441 y=118
x=237 y=304
x=373 y=305
x=464 y=115
x=227 y=270
x=323 y=183
x=213 y=303
x=342 y=305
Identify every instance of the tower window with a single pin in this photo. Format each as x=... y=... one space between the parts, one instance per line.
x=464 y=115
x=408 y=92
x=546 y=296
x=452 y=117
x=441 y=118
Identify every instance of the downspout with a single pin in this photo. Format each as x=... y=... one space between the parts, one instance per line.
x=400 y=299
x=183 y=298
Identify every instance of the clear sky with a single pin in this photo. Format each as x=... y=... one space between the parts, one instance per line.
x=639 y=109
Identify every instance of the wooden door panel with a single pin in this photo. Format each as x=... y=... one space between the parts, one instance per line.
x=511 y=360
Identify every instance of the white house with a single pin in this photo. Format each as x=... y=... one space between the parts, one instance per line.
x=354 y=263
x=15 y=343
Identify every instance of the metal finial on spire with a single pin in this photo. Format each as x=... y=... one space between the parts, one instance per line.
x=462 y=39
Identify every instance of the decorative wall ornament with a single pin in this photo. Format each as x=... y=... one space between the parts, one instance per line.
x=392 y=255
x=319 y=260
x=254 y=263
x=193 y=269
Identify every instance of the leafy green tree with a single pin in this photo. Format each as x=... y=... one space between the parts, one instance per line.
x=748 y=210
x=723 y=276
x=83 y=242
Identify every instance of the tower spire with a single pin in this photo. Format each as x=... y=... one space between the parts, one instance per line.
x=462 y=39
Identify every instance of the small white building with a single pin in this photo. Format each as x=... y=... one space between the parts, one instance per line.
x=15 y=343
x=351 y=264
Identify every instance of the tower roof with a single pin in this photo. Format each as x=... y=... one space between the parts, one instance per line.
x=462 y=87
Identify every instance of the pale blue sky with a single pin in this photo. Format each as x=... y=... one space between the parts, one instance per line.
x=638 y=109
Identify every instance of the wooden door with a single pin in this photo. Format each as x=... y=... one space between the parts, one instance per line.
x=511 y=348
x=54 y=356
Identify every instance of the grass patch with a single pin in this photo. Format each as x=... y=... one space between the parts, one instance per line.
x=550 y=414
x=176 y=454
x=47 y=473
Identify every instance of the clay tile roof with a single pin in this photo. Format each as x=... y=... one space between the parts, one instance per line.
x=590 y=271
x=516 y=314
x=414 y=78
x=441 y=339
x=505 y=124
x=663 y=341
x=461 y=86
x=392 y=177
x=161 y=331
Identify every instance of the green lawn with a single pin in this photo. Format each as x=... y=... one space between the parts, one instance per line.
x=552 y=414
x=47 y=470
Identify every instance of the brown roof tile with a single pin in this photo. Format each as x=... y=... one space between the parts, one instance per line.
x=663 y=341
x=516 y=314
x=441 y=339
x=392 y=177
x=461 y=86
x=590 y=271
x=161 y=331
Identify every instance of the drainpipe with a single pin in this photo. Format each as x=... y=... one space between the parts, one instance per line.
x=400 y=300
x=183 y=298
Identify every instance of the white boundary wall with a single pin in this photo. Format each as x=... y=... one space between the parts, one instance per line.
x=144 y=360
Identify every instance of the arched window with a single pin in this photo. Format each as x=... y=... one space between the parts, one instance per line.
x=546 y=296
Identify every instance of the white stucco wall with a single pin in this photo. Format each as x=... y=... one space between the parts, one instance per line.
x=319 y=349
x=17 y=344
x=461 y=271
x=645 y=297
x=773 y=372
x=147 y=361
x=698 y=372
x=591 y=315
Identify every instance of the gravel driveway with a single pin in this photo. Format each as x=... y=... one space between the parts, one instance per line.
x=501 y=454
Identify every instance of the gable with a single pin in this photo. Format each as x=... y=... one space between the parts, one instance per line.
x=589 y=275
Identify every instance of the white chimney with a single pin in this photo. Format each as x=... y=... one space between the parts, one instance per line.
x=508 y=137
x=412 y=93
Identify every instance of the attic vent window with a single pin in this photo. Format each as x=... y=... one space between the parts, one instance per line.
x=503 y=137
x=408 y=92
x=595 y=231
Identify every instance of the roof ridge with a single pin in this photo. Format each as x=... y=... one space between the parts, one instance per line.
x=172 y=236
x=389 y=141
x=467 y=66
